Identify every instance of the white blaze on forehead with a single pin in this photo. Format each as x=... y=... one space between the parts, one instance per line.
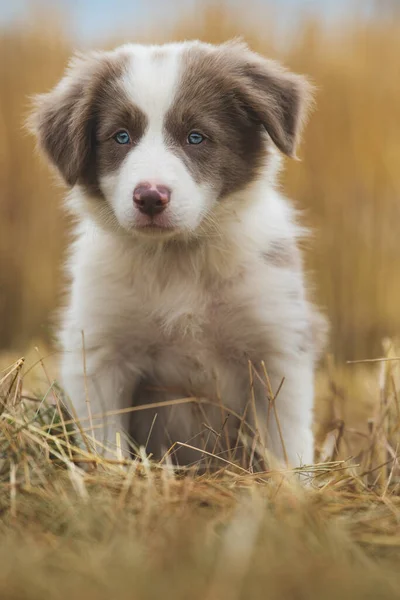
x=151 y=80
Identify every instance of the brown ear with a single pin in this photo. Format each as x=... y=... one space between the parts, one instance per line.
x=276 y=97
x=62 y=119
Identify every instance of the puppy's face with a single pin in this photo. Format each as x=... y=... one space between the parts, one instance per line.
x=157 y=136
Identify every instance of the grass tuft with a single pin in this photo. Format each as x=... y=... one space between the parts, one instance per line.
x=77 y=525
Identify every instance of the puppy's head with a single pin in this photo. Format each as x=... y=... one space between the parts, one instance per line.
x=154 y=137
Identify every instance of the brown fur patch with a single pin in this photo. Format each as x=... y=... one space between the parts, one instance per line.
x=66 y=119
x=232 y=95
x=283 y=254
x=280 y=100
x=117 y=112
x=205 y=101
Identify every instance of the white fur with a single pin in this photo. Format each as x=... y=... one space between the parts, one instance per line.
x=188 y=317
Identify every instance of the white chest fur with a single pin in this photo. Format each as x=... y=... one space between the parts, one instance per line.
x=187 y=319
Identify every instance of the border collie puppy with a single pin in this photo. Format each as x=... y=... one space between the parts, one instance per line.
x=187 y=281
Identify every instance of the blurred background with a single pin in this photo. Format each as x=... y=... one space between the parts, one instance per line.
x=348 y=182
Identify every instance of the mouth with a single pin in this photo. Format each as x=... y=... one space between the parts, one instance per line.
x=152 y=228
x=157 y=225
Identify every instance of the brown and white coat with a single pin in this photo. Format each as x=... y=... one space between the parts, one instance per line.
x=177 y=303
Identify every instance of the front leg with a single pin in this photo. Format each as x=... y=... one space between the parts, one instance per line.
x=289 y=422
x=96 y=391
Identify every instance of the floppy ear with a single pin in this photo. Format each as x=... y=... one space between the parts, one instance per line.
x=276 y=97
x=62 y=122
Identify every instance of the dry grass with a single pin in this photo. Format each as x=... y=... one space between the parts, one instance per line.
x=134 y=529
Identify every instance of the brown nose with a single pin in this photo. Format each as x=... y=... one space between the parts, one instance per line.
x=151 y=199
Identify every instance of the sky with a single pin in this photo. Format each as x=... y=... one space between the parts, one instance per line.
x=91 y=19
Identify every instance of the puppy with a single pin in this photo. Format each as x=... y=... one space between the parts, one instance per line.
x=186 y=276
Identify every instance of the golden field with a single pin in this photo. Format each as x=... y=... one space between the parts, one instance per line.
x=130 y=529
x=348 y=182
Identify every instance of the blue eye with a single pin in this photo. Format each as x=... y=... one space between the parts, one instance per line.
x=195 y=138
x=122 y=137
